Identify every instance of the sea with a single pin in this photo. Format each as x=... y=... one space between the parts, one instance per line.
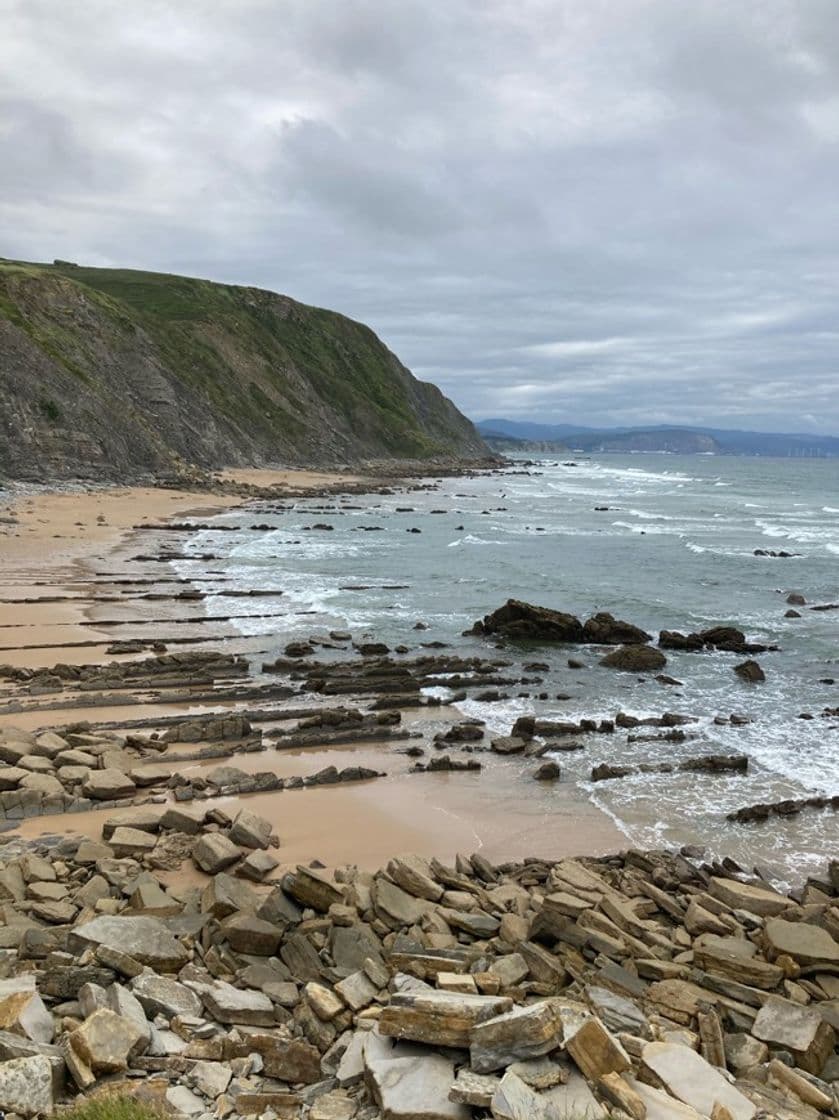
x=663 y=541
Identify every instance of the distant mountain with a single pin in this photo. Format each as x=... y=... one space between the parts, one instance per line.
x=116 y=373
x=679 y=440
x=499 y=442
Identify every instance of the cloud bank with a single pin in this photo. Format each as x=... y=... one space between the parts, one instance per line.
x=599 y=211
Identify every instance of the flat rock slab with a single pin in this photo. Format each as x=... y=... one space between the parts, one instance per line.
x=694 y=1081
x=809 y=945
x=414 y=1088
x=524 y=1032
x=145 y=939
x=227 y=1004
x=744 y=896
x=161 y=995
x=439 y=1018
x=784 y=1023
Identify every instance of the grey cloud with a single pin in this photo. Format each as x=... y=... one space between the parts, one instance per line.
x=596 y=212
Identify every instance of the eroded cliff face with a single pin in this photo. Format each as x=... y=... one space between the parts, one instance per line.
x=115 y=374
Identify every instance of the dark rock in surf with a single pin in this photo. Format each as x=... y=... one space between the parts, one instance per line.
x=750 y=671
x=635 y=659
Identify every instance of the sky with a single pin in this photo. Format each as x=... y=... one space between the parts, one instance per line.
x=591 y=211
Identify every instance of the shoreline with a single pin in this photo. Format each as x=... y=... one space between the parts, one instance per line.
x=364 y=822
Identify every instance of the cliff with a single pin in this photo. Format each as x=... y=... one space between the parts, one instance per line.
x=116 y=373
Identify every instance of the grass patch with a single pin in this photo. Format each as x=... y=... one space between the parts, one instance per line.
x=50 y=410
x=113 y=1108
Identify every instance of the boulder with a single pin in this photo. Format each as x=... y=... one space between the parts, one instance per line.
x=161 y=995
x=745 y=896
x=635 y=659
x=807 y=944
x=310 y=889
x=412 y=1087
x=750 y=671
x=105 y=1041
x=525 y=1032
x=108 y=785
x=413 y=874
x=26 y=1086
x=250 y=830
x=801 y=1030
x=132 y=842
x=214 y=852
x=23 y=1012
x=691 y=1079
x=252 y=936
x=227 y=1004
x=520 y=621
x=439 y=1018
x=145 y=939
x=595 y=1051
x=606 y=630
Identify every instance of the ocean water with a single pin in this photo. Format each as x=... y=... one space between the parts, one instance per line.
x=674 y=549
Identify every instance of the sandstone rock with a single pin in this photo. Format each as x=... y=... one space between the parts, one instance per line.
x=132 y=842
x=356 y=990
x=23 y=1012
x=414 y=1087
x=257 y=866
x=310 y=889
x=595 y=1051
x=801 y=1030
x=145 y=939
x=438 y=1018
x=514 y=1100
x=691 y=1079
x=808 y=944
x=620 y=1093
x=508 y=744
x=105 y=1042
x=525 y=1032
x=178 y=819
x=250 y=830
x=26 y=1086
x=182 y=1101
x=475 y=1089
x=296 y=1062
x=510 y=969
x=214 y=852
x=227 y=1004
x=412 y=873
x=224 y=896
x=248 y=934
x=734 y=958
x=744 y=896
x=161 y=995
x=210 y=1078
x=108 y=785
x=397 y=907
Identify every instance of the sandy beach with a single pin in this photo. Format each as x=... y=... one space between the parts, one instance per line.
x=72 y=584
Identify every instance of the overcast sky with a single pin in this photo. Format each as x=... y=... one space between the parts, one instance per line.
x=596 y=211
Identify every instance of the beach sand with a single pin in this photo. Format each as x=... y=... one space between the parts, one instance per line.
x=69 y=546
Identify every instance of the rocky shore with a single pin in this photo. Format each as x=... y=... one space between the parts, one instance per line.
x=647 y=984
x=166 y=930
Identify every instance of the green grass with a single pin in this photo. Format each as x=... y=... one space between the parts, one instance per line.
x=112 y=1108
